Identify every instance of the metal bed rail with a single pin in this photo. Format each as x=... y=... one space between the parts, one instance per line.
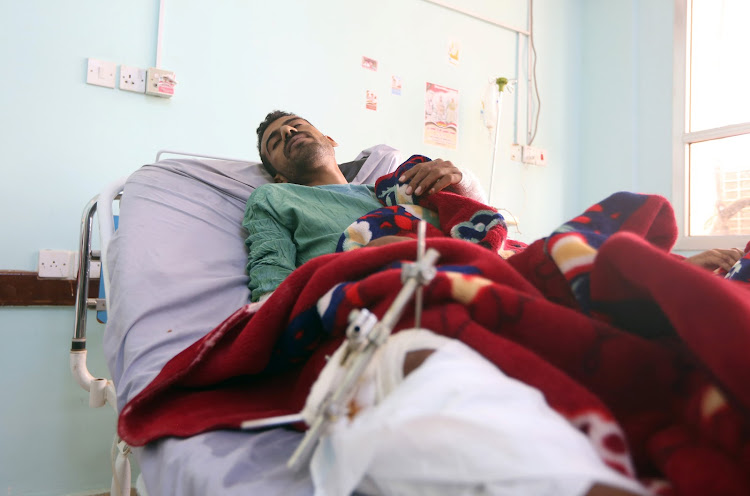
x=101 y=391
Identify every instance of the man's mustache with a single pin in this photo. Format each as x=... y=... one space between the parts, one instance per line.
x=289 y=141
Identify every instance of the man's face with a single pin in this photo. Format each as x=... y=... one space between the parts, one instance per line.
x=295 y=148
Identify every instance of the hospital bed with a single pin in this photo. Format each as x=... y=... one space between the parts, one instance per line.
x=173 y=271
x=188 y=246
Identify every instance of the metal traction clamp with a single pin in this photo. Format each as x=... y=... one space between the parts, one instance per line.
x=364 y=335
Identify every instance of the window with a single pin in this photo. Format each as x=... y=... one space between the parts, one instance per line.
x=712 y=123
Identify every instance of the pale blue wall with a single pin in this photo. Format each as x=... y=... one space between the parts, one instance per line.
x=62 y=140
x=654 y=96
x=626 y=98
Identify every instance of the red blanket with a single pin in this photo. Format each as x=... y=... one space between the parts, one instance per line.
x=647 y=354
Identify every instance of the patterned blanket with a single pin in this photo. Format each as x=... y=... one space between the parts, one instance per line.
x=446 y=214
x=641 y=351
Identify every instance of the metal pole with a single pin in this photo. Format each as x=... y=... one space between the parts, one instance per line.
x=84 y=249
x=518 y=93
x=528 y=74
x=497 y=141
x=478 y=17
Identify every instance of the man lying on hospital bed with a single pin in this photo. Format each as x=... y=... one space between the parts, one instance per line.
x=303 y=215
x=452 y=397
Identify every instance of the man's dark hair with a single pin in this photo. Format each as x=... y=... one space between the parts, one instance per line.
x=272 y=116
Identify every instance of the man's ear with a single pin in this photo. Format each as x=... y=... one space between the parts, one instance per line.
x=280 y=178
x=333 y=141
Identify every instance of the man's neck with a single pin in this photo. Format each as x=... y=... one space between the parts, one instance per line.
x=326 y=176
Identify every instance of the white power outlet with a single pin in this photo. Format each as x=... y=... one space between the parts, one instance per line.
x=132 y=79
x=57 y=264
x=516 y=153
x=533 y=156
x=160 y=82
x=101 y=73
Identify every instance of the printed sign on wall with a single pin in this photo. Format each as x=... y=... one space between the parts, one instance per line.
x=371 y=102
x=454 y=52
x=441 y=116
x=395 y=85
x=369 y=64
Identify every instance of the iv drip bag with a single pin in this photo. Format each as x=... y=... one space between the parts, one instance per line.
x=490 y=104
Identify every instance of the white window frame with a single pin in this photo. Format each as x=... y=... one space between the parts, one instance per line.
x=682 y=139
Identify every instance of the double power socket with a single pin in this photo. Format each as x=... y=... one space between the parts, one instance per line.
x=528 y=154
x=62 y=264
x=57 y=264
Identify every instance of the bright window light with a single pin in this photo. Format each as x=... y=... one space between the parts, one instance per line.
x=719 y=68
x=712 y=119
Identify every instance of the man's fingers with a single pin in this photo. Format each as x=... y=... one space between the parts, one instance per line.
x=443 y=183
x=421 y=168
x=727 y=258
x=436 y=181
x=735 y=254
x=416 y=180
x=428 y=181
x=725 y=262
x=430 y=177
x=721 y=259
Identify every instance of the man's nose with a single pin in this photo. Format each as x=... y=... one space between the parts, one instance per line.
x=287 y=131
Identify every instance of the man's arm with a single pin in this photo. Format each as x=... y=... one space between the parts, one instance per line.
x=431 y=177
x=271 y=250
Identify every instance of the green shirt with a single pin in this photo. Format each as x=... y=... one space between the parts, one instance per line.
x=289 y=224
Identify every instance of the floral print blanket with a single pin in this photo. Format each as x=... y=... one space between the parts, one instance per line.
x=446 y=213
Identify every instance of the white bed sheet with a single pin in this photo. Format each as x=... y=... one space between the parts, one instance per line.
x=177 y=269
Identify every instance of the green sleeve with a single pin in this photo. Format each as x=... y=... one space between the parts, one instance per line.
x=271 y=250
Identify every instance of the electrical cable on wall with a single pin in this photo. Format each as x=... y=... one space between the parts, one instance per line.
x=159 y=81
x=159 y=31
x=533 y=71
x=514 y=222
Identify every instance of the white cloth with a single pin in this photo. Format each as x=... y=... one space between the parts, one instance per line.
x=470 y=188
x=455 y=425
x=382 y=158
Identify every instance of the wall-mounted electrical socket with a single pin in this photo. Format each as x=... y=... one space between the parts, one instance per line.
x=57 y=264
x=132 y=79
x=516 y=153
x=101 y=73
x=160 y=82
x=533 y=156
x=528 y=154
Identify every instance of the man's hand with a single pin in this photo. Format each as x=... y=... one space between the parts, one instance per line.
x=716 y=259
x=431 y=177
